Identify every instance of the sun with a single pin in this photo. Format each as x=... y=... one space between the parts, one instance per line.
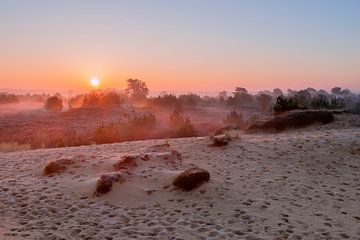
x=94 y=82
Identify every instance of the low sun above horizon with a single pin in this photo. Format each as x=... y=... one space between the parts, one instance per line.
x=94 y=82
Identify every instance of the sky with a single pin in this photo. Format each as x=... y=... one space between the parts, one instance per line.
x=184 y=45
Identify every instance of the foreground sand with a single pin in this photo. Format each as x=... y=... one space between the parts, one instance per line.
x=301 y=184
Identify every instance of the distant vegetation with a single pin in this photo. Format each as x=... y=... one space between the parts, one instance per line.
x=107 y=116
x=54 y=104
x=6 y=98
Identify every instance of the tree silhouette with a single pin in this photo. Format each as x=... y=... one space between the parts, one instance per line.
x=137 y=89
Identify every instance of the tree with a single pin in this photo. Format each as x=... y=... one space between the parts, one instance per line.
x=264 y=101
x=303 y=97
x=137 y=89
x=336 y=90
x=54 y=104
x=241 y=97
x=277 y=92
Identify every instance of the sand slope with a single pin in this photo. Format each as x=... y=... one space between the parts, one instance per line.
x=300 y=184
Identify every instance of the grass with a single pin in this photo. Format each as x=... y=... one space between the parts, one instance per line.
x=14 y=147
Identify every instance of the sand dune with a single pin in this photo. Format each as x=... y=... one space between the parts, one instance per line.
x=299 y=184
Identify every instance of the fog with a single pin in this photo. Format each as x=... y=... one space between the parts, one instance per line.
x=13 y=108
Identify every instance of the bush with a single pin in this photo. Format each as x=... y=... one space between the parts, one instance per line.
x=235 y=118
x=57 y=166
x=295 y=120
x=284 y=104
x=106 y=181
x=181 y=126
x=54 y=104
x=191 y=178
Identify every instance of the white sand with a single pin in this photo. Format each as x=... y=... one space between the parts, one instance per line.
x=300 y=184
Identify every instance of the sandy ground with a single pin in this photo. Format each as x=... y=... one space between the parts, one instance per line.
x=300 y=184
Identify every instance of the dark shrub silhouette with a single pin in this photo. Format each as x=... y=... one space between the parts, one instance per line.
x=284 y=104
x=191 y=178
x=54 y=104
x=106 y=181
x=137 y=90
x=295 y=120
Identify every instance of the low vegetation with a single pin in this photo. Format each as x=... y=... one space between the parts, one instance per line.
x=54 y=104
x=191 y=178
x=296 y=119
x=106 y=181
x=57 y=166
x=14 y=147
x=181 y=126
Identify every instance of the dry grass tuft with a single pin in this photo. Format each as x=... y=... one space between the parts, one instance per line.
x=14 y=147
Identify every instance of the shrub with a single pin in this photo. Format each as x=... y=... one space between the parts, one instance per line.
x=54 y=104
x=191 y=178
x=235 y=118
x=181 y=126
x=106 y=181
x=57 y=166
x=284 y=104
